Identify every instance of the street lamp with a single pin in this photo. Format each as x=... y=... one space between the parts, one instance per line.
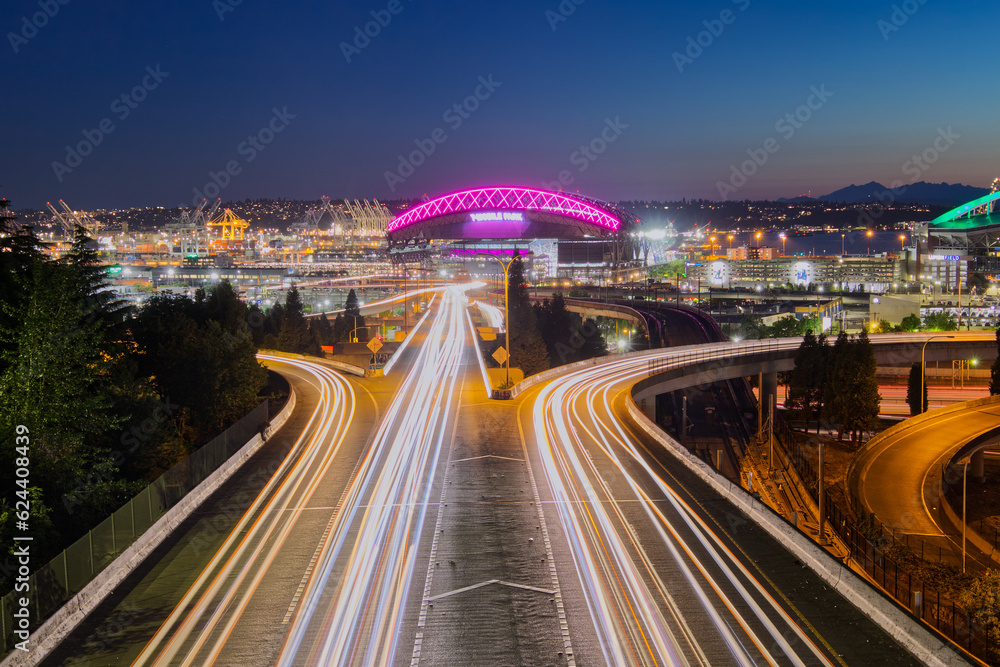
x=842 y=253
x=902 y=239
x=730 y=237
x=712 y=247
x=923 y=372
x=869 y=234
x=965 y=475
x=757 y=236
x=506 y=301
x=783 y=238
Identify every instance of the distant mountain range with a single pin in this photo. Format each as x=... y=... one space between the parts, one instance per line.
x=932 y=194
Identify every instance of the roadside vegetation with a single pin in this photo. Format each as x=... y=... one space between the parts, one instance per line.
x=111 y=396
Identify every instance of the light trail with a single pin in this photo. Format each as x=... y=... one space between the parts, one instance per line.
x=215 y=601
x=598 y=474
x=493 y=315
x=353 y=605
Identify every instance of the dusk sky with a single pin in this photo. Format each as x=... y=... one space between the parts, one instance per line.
x=891 y=84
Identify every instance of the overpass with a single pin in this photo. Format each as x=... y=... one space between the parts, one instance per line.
x=702 y=364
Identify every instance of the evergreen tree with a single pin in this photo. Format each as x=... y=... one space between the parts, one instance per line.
x=594 y=344
x=801 y=388
x=555 y=324
x=862 y=400
x=294 y=334
x=528 y=350
x=321 y=330
x=354 y=322
x=837 y=383
x=913 y=383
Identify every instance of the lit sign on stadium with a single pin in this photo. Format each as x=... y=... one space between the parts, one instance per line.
x=497 y=216
x=945 y=258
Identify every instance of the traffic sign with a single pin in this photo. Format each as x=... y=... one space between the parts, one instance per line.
x=501 y=355
x=375 y=345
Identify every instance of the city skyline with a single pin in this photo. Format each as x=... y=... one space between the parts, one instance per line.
x=623 y=102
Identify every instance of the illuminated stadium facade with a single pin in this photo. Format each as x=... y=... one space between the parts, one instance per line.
x=955 y=246
x=462 y=223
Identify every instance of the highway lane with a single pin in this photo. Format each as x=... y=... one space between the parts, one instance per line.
x=665 y=568
x=329 y=413
x=354 y=601
x=199 y=628
x=898 y=479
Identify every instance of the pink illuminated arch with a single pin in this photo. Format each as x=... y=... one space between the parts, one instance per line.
x=507 y=198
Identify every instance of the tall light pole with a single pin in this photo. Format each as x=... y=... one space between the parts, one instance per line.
x=842 y=253
x=869 y=234
x=506 y=302
x=730 y=237
x=783 y=238
x=902 y=240
x=965 y=474
x=923 y=372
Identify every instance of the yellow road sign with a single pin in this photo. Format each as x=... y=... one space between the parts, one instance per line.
x=501 y=355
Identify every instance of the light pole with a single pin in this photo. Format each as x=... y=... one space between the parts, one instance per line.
x=783 y=238
x=923 y=373
x=730 y=237
x=506 y=302
x=965 y=474
x=869 y=234
x=902 y=240
x=842 y=253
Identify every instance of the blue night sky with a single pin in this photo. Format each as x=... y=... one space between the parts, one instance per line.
x=607 y=68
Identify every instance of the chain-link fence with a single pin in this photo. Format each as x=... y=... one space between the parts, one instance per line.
x=64 y=576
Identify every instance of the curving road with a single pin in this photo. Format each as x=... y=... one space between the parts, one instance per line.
x=671 y=574
x=899 y=479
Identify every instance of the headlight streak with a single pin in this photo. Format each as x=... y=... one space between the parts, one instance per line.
x=492 y=314
x=556 y=414
x=353 y=604
x=479 y=356
x=242 y=548
x=406 y=341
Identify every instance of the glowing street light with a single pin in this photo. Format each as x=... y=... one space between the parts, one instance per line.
x=902 y=240
x=730 y=237
x=869 y=234
x=923 y=372
x=783 y=239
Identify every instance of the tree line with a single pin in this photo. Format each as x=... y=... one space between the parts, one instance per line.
x=836 y=385
x=112 y=396
x=284 y=327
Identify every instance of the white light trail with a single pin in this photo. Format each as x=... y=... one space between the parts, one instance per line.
x=356 y=614
x=574 y=417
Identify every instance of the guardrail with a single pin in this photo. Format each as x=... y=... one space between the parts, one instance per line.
x=63 y=577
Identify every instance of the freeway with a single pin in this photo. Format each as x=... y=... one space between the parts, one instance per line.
x=412 y=520
x=216 y=560
x=669 y=573
x=898 y=479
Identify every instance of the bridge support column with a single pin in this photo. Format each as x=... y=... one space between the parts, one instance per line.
x=977 y=467
x=768 y=390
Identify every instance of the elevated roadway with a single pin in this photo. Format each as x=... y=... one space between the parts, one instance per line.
x=898 y=477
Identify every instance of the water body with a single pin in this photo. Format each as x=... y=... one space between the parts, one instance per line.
x=828 y=244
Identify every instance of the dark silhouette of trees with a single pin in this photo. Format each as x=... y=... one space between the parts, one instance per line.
x=913 y=397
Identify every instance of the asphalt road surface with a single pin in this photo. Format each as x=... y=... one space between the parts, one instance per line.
x=410 y=520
